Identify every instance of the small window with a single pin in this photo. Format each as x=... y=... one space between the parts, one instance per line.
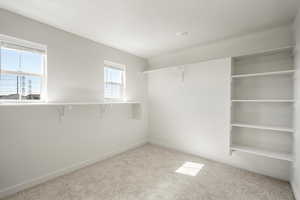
x=114 y=80
x=22 y=71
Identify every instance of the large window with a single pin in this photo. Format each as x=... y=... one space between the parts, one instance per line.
x=22 y=70
x=114 y=80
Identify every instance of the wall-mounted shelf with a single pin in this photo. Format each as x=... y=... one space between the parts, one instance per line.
x=163 y=69
x=264 y=100
x=65 y=103
x=181 y=69
x=273 y=128
x=261 y=152
x=266 y=52
x=156 y=70
x=136 y=112
x=264 y=74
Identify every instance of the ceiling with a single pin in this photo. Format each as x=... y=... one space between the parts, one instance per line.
x=148 y=27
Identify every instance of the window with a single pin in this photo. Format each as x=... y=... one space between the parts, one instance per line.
x=114 y=80
x=22 y=70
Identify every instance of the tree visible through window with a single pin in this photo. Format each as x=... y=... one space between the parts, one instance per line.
x=114 y=80
x=21 y=72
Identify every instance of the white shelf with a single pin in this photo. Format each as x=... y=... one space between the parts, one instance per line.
x=265 y=52
x=264 y=74
x=271 y=74
x=65 y=103
x=273 y=128
x=261 y=152
x=264 y=100
x=179 y=67
x=160 y=69
x=61 y=106
x=156 y=70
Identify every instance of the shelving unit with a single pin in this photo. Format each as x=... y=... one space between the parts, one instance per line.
x=262 y=102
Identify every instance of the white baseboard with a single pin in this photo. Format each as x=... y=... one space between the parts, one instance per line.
x=160 y=141
x=296 y=191
x=36 y=181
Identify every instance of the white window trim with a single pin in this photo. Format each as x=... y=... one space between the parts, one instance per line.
x=119 y=67
x=33 y=46
x=23 y=43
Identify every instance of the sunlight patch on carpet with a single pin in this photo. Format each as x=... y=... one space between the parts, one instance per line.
x=190 y=168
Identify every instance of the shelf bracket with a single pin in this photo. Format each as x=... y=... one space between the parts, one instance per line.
x=182 y=70
x=102 y=110
x=61 y=112
x=136 y=111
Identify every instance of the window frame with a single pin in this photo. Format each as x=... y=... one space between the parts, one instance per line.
x=121 y=67
x=26 y=46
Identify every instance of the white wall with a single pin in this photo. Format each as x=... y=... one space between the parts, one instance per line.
x=269 y=39
x=194 y=116
x=296 y=167
x=34 y=146
x=159 y=123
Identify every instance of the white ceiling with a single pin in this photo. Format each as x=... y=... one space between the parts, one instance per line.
x=148 y=27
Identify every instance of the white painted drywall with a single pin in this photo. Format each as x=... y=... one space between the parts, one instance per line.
x=34 y=146
x=194 y=116
x=148 y=27
x=296 y=167
x=269 y=39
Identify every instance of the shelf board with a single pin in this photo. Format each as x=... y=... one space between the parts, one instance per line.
x=163 y=69
x=265 y=52
x=273 y=128
x=264 y=100
x=65 y=103
x=264 y=74
x=261 y=152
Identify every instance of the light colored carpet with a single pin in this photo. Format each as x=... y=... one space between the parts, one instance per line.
x=148 y=173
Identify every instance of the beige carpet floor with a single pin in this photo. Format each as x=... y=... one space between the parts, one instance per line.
x=149 y=173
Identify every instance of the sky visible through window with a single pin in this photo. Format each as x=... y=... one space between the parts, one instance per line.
x=13 y=85
x=113 y=79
